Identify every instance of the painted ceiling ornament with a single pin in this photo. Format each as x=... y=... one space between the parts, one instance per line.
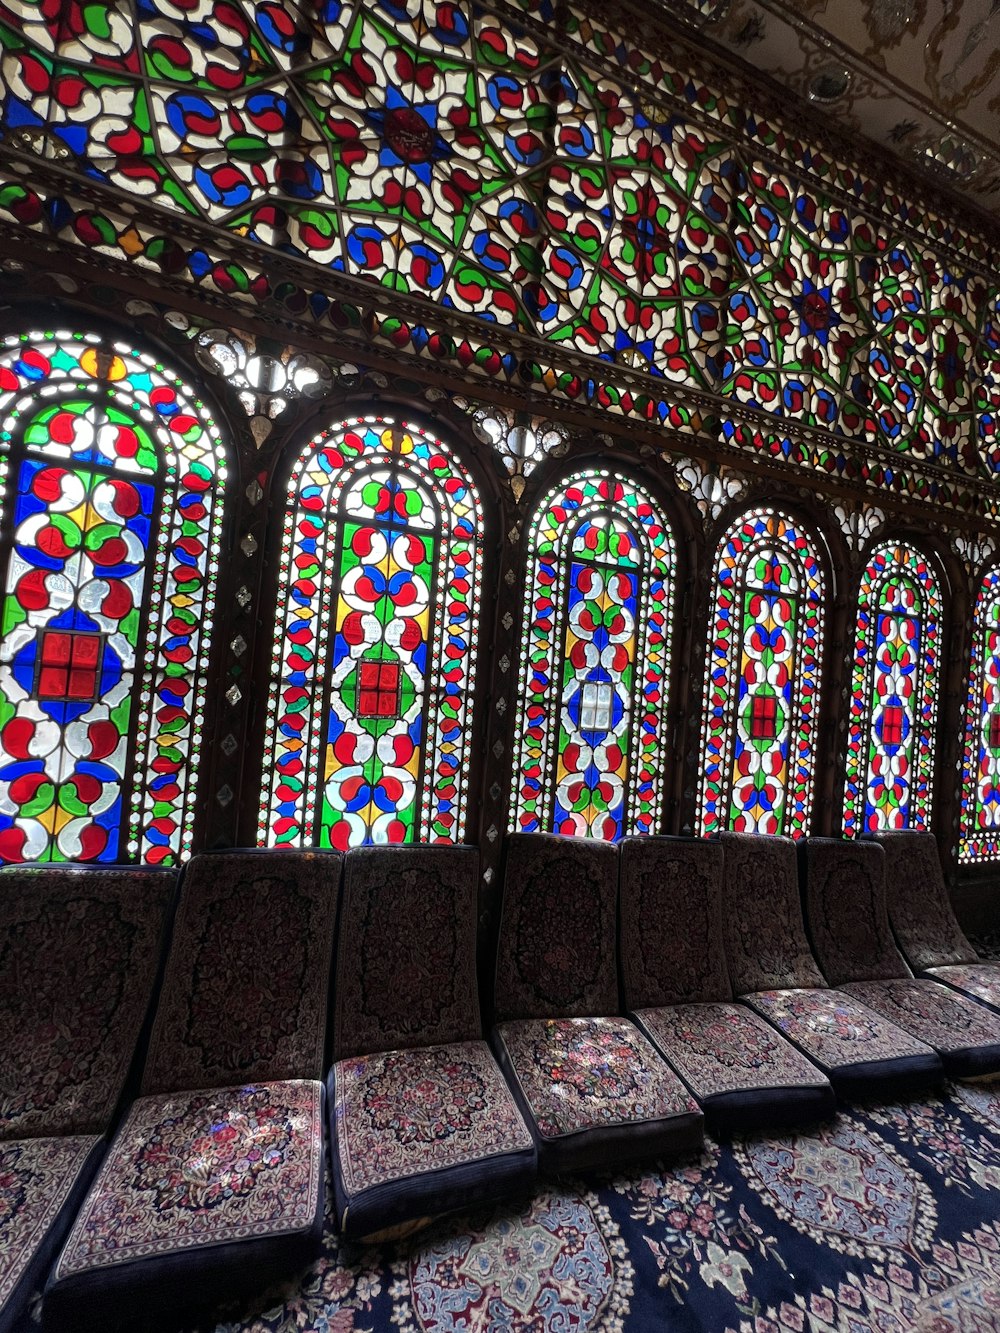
x=859 y=521
x=711 y=488
x=888 y=21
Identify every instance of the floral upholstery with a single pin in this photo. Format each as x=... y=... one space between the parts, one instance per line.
x=245 y=994
x=764 y=936
x=918 y=903
x=981 y=980
x=671 y=921
x=965 y=1034
x=420 y=1131
x=557 y=948
x=845 y=905
x=78 y=956
x=598 y=1077
x=854 y=1046
x=40 y=1182
x=741 y=1070
x=406 y=954
x=188 y=1176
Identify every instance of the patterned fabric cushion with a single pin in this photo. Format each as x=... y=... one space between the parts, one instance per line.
x=245 y=994
x=78 y=957
x=556 y=954
x=764 y=936
x=671 y=921
x=854 y=1046
x=979 y=979
x=919 y=907
x=422 y=1131
x=724 y=1052
x=597 y=1082
x=845 y=905
x=40 y=1182
x=406 y=956
x=191 y=1180
x=965 y=1034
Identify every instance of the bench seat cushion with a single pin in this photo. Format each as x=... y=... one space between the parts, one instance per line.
x=743 y=1072
x=980 y=980
x=859 y=1051
x=41 y=1183
x=965 y=1034
x=421 y=1131
x=596 y=1092
x=202 y=1195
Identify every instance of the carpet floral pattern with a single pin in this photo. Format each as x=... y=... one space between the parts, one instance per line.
x=887 y=1218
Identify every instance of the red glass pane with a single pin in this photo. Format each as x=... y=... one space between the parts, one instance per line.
x=69 y=665
x=995 y=731
x=378 y=689
x=890 y=725
x=763 y=717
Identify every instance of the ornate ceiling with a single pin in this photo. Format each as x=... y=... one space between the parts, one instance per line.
x=921 y=77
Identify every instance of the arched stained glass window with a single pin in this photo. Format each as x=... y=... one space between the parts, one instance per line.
x=111 y=475
x=594 y=660
x=890 y=738
x=979 y=834
x=375 y=644
x=764 y=662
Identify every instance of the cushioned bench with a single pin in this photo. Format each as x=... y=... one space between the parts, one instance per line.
x=677 y=990
x=846 y=910
x=421 y=1118
x=79 y=952
x=924 y=922
x=593 y=1088
x=214 y=1181
x=773 y=970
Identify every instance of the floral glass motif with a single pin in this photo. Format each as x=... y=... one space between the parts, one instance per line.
x=112 y=475
x=369 y=715
x=979 y=829
x=890 y=738
x=595 y=656
x=764 y=661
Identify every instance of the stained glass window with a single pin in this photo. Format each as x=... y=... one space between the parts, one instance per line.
x=890 y=739
x=595 y=655
x=111 y=477
x=979 y=833
x=764 y=662
x=368 y=722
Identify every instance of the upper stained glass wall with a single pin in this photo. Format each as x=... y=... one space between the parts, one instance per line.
x=758 y=756
x=370 y=710
x=493 y=160
x=111 y=474
x=894 y=690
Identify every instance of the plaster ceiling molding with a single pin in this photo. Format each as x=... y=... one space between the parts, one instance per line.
x=920 y=77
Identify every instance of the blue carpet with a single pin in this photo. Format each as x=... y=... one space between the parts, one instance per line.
x=887 y=1219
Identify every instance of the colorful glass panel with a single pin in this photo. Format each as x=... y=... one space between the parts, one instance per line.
x=764 y=662
x=369 y=715
x=979 y=830
x=595 y=657
x=112 y=477
x=890 y=738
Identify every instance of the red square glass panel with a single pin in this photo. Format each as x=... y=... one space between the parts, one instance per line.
x=763 y=717
x=69 y=665
x=995 y=731
x=378 y=689
x=890 y=725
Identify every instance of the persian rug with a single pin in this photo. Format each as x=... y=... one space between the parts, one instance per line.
x=887 y=1219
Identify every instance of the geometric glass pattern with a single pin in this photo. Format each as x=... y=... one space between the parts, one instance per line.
x=368 y=731
x=764 y=661
x=893 y=711
x=595 y=654
x=112 y=477
x=979 y=829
